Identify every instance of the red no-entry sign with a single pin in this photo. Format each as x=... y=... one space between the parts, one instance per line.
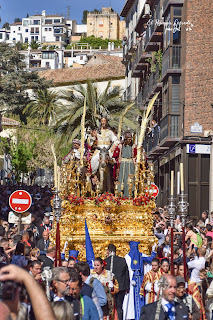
x=20 y=201
x=153 y=190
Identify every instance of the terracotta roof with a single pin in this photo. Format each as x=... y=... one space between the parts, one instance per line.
x=104 y=58
x=107 y=70
x=9 y=122
x=15 y=23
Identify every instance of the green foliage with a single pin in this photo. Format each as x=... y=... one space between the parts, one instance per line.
x=6 y=25
x=84 y=19
x=69 y=117
x=14 y=81
x=34 y=44
x=17 y=20
x=20 y=155
x=43 y=106
x=95 y=43
x=4 y=145
x=155 y=60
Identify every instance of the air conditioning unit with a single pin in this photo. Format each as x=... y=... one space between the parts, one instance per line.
x=147 y=9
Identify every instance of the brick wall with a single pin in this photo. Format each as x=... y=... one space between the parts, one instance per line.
x=197 y=64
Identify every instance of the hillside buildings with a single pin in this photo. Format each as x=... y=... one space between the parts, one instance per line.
x=168 y=50
x=106 y=25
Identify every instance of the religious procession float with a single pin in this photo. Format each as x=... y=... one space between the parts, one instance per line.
x=115 y=214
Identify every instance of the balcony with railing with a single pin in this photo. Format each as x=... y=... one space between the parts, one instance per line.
x=171 y=61
x=140 y=59
x=169 y=129
x=153 y=39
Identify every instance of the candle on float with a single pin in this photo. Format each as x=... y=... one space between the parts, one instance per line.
x=172 y=183
x=58 y=180
x=181 y=178
x=178 y=182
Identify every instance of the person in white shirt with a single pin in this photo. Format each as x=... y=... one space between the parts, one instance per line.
x=197 y=264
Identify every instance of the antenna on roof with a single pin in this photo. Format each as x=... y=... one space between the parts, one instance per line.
x=68 y=12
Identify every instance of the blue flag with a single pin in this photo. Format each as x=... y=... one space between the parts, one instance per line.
x=89 y=249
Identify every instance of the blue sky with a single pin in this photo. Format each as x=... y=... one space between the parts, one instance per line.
x=11 y=9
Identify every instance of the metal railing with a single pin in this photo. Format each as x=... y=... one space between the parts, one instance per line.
x=171 y=58
x=169 y=126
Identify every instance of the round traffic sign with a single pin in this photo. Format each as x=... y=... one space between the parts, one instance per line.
x=20 y=201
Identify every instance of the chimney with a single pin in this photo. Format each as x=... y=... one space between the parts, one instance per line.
x=43 y=13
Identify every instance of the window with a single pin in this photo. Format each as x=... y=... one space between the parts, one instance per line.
x=50 y=29
x=48 y=55
x=57 y=20
x=19 y=28
x=36 y=38
x=81 y=57
x=26 y=30
x=101 y=34
x=13 y=39
x=36 y=21
x=101 y=23
x=1 y=36
x=57 y=38
x=48 y=21
x=45 y=29
x=26 y=40
x=47 y=64
x=25 y=23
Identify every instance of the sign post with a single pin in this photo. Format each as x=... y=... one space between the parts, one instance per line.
x=20 y=201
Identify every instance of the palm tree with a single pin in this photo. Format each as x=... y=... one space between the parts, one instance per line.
x=43 y=106
x=107 y=102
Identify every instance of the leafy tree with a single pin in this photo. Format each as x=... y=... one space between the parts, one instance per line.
x=14 y=81
x=95 y=43
x=6 y=25
x=34 y=44
x=69 y=118
x=43 y=106
x=17 y=20
x=20 y=155
x=84 y=19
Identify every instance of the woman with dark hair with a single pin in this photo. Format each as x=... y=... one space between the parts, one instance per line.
x=19 y=258
x=108 y=281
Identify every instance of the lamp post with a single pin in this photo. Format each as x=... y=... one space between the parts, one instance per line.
x=57 y=213
x=183 y=208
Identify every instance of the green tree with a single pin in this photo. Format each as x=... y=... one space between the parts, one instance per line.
x=20 y=155
x=84 y=19
x=14 y=81
x=17 y=20
x=34 y=44
x=108 y=102
x=6 y=25
x=43 y=106
x=95 y=43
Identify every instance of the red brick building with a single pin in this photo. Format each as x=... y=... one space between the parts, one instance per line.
x=173 y=54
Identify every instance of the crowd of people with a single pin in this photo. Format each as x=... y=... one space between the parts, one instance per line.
x=134 y=287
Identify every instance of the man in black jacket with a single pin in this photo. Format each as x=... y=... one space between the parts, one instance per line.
x=165 y=308
x=119 y=267
x=48 y=260
x=43 y=243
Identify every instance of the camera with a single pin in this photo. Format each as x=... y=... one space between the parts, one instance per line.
x=8 y=290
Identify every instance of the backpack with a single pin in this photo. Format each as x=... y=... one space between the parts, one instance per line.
x=109 y=306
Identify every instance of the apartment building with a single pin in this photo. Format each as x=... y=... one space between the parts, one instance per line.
x=168 y=50
x=105 y=24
